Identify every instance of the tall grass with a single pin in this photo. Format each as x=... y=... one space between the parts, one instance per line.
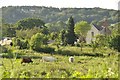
x=86 y=65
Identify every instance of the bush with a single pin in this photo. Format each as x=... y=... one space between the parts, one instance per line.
x=7 y=55
x=46 y=50
x=67 y=52
x=22 y=44
x=37 y=41
x=114 y=43
x=3 y=49
x=25 y=44
x=16 y=53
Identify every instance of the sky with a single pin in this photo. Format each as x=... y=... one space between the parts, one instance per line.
x=107 y=4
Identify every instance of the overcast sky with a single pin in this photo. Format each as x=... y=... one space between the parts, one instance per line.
x=109 y=4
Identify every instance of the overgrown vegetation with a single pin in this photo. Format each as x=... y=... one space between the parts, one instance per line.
x=84 y=65
x=32 y=37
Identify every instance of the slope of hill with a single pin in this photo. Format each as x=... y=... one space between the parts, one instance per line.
x=12 y=14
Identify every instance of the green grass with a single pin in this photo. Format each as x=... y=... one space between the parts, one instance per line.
x=84 y=66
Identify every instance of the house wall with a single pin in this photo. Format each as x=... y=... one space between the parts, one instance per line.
x=105 y=31
x=89 y=36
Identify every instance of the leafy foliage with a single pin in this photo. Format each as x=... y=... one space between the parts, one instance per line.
x=37 y=41
x=3 y=49
x=100 y=41
x=28 y=33
x=62 y=36
x=47 y=49
x=20 y=43
x=29 y=23
x=56 y=26
x=8 y=30
x=81 y=28
x=114 y=43
x=53 y=35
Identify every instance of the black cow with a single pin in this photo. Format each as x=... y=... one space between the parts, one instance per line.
x=26 y=60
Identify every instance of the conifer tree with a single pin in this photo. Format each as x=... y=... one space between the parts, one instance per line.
x=70 y=35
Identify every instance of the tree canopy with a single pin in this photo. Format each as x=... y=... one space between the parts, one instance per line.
x=36 y=41
x=81 y=28
x=29 y=23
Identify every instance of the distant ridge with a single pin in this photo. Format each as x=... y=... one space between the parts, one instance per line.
x=12 y=14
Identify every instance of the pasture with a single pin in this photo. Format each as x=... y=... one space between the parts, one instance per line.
x=103 y=63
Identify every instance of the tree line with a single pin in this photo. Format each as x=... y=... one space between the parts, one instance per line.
x=12 y=14
x=32 y=33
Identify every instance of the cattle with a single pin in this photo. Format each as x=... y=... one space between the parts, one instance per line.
x=26 y=60
x=48 y=59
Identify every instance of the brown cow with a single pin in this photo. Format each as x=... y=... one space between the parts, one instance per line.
x=26 y=60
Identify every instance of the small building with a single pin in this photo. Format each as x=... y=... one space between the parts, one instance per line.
x=5 y=41
x=96 y=30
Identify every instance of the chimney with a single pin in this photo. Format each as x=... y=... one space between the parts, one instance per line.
x=105 y=23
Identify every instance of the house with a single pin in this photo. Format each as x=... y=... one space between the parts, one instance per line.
x=96 y=30
x=5 y=41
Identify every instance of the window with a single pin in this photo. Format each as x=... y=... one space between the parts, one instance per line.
x=92 y=34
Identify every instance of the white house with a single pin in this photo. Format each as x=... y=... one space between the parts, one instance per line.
x=96 y=30
x=5 y=41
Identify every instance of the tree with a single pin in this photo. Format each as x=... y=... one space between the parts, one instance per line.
x=20 y=43
x=70 y=35
x=28 y=33
x=53 y=35
x=45 y=30
x=62 y=37
x=100 y=41
x=94 y=45
x=36 y=41
x=56 y=26
x=81 y=28
x=8 y=30
x=115 y=43
x=29 y=23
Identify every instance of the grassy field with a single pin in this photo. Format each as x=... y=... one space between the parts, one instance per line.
x=86 y=65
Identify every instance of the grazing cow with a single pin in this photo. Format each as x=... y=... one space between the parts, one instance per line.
x=26 y=60
x=48 y=59
x=71 y=59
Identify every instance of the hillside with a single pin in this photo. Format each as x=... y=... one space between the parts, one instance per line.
x=12 y=14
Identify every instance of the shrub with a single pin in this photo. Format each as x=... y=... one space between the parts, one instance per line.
x=7 y=55
x=114 y=43
x=25 y=44
x=46 y=50
x=3 y=49
x=37 y=41
x=22 y=44
x=67 y=52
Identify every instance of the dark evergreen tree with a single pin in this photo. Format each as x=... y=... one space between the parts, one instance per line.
x=70 y=35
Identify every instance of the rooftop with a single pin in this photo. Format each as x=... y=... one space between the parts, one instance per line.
x=98 y=27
